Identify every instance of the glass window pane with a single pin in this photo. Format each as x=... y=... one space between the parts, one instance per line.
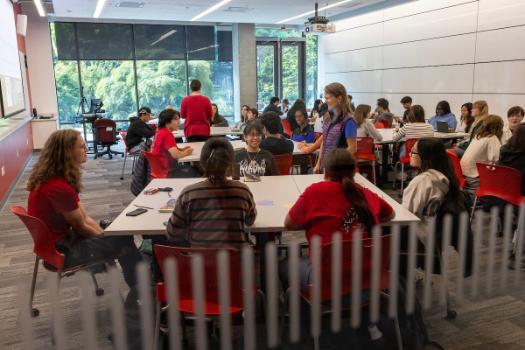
x=98 y=41
x=68 y=93
x=161 y=83
x=278 y=33
x=158 y=42
x=265 y=75
x=201 y=42
x=63 y=39
x=290 y=72
x=224 y=42
x=217 y=83
x=311 y=70
x=114 y=83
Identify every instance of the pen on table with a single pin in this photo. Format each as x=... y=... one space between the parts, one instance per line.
x=142 y=206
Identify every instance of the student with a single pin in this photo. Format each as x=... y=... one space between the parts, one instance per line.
x=139 y=131
x=443 y=114
x=298 y=105
x=273 y=106
x=54 y=185
x=365 y=127
x=416 y=126
x=311 y=148
x=466 y=120
x=339 y=127
x=337 y=204
x=314 y=113
x=407 y=104
x=480 y=111
x=244 y=111
x=284 y=106
x=512 y=154
x=304 y=131
x=253 y=160
x=515 y=118
x=274 y=142
x=350 y=99
x=197 y=111
x=217 y=120
x=164 y=143
x=383 y=113
x=485 y=147
x=215 y=211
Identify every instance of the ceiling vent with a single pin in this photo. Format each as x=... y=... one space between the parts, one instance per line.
x=238 y=9
x=130 y=4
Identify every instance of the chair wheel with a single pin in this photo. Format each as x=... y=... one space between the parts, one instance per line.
x=35 y=312
x=451 y=315
x=99 y=292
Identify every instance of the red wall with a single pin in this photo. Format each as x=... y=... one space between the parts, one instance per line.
x=16 y=148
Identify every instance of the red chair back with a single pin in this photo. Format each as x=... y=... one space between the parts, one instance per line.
x=183 y=256
x=365 y=149
x=501 y=182
x=157 y=168
x=366 y=266
x=44 y=244
x=287 y=129
x=408 y=147
x=284 y=163
x=379 y=125
x=105 y=131
x=456 y=165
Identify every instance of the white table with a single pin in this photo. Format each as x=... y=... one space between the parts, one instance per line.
x=388 y=135
x=214 y=131
x=274 y=196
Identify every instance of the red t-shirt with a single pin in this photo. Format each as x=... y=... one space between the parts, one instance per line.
x=49 y=201
x=163 y=141
x=196 y=109
x=323 y=210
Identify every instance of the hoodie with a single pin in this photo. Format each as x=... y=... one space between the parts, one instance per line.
x=428 y=186
x=514 y=158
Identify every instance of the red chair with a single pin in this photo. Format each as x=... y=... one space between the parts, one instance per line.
x=284 y=163
x=379 y=125
x=45 y=250
x=186 y=304
x=365 y=153
x=155 y=164
x=123 y=134
x=454 y=159
x=287 y=129
x=105 y=131
x=404 y=160
x=498 y=181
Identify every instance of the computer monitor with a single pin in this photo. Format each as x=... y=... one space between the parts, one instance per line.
x=96 y=105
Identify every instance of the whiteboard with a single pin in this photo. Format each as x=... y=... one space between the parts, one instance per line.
x=10 y=73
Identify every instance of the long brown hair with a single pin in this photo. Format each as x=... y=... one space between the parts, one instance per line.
x=338 y=90
x=492 y=125
x=340 y=166
x=57 y=160
x=360 y=114
x=416 y=114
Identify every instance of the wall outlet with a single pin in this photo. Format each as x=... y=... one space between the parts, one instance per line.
x=3 y=170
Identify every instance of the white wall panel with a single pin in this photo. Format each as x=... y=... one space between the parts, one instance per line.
x=443 y=51
x=359 y=21
x=500 y=13
x=446 y=79
x=368 y=81
x=429 y=102
x=499 y=104
x=415 y=7
x=500 y=77
x=448 y=21
x=366 y=59
x=358 y=38
x=501 y=44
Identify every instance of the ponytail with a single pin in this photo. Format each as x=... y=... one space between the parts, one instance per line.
x=356 y=198
x=216 y=159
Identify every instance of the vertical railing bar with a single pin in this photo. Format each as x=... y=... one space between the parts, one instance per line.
x=376 y=271
x=337 y=275
x=272 y=322
x=88 y=311
x=224 y=299
x=411 y=273
x=171 y=277
x=294 y=292
x=146 y=304
x=394 y=271
x=198 y=289
x=357 y=252
x=117 y=311
x=429 y=262
x=248 y=300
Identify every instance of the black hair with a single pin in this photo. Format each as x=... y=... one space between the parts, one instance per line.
x=144 y=110
x=416 y=114
x=517 y=141
x=383 y=103
x=254 y=111
x=297 y=105
x=166 y=116
x=434 y=156
x=216 y=115
x=272 y=122
x=406 y=99
x=515 y=110
x=340 y=166
x=317 y=104
x=195 y=85
x=253 y=125
x=445 y=107
x=216 y=159
x=470 y=118
x=285 y=100
x=303 y=112
x=274 y=99
x=323 y=109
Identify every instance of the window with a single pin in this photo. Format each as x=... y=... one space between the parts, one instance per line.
x=265 y=75
x=311 y=70
x=291 y=72
x=68 y=90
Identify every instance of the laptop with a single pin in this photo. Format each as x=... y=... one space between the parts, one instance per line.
x=442 y=127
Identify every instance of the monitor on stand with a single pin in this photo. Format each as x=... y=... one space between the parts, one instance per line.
x=96 y=106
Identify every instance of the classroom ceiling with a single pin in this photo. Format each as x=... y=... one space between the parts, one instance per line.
x=236 y=11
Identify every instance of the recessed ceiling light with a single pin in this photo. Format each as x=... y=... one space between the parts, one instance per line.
x=211 y=9
x=313 y=11
x=98 y=8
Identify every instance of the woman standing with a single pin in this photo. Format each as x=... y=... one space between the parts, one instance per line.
x=339 y=127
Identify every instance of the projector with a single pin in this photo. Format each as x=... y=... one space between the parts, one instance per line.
x=319 y=28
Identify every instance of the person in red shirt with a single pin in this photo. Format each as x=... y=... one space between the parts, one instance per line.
x=197 y=111
x=164 y=143
x=54 y=185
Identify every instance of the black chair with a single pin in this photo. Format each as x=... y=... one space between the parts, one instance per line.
x=105 y=134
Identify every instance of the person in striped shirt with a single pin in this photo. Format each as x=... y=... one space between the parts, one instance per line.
x=217 y=210
x=416 y=127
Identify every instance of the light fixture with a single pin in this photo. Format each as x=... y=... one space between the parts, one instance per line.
x=313 y=11
x=98 y=8
x=163 y=36
x=40 y=8
x=211 y=9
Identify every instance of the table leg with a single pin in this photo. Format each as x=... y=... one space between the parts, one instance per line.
x=384 y=163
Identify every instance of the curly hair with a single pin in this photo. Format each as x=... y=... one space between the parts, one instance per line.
x=57 y=160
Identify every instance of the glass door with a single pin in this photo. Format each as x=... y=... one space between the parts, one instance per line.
x=292 y=68
x=266 y=73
